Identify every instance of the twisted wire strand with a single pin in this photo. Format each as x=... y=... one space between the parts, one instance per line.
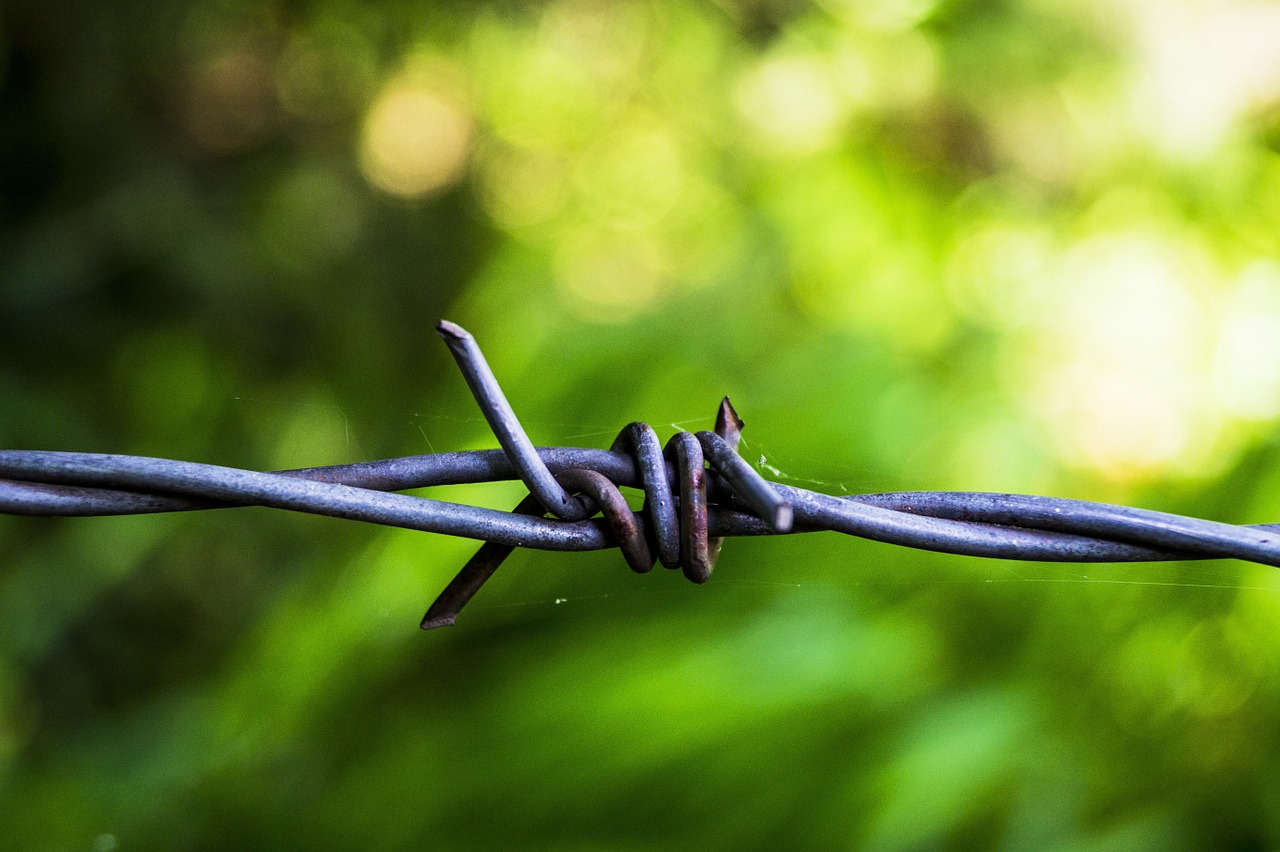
x=688 y=507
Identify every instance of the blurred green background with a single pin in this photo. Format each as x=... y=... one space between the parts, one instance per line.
x=1018 y=245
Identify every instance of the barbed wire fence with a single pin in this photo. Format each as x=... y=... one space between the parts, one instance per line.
x=697 y=492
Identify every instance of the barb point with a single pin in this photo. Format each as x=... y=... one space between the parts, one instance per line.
x=431 y=622
x=727 y=415
x=728 y=424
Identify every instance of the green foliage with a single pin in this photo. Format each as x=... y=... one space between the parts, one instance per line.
x=1005 y=246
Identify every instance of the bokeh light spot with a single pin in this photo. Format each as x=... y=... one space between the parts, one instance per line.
x=633 y=177
x=416 y=138
x=230 y=102
x=326 y=74
x=536 y=95
x=521 y=188
x=997 y=276
x=1201 y=67
x=1246 y=368
x=310 y=217
x=792 y=104
x=608 y=278
x=1119 y=355
x=881 y=15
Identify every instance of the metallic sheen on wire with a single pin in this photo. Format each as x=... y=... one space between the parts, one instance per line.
x=688 y=508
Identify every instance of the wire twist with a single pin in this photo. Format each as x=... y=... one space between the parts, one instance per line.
x=697 y=490
x=680 y=538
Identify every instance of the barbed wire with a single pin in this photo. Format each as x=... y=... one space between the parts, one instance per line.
x=697 y=491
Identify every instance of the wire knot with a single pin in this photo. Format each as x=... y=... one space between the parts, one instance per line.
x=672 y=526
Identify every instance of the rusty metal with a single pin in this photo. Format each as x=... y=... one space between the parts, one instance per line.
x=444 y=610
x=697 y=490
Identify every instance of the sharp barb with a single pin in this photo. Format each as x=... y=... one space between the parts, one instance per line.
x=728 y=424
x=444 y=610
x=432 y=621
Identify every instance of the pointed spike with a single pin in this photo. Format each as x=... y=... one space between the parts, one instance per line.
x=430 y=622
x=444 y=610
x=728 y=424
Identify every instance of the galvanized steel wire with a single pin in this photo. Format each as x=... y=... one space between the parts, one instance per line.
x=697 y=489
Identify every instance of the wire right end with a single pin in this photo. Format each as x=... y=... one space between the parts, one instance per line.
x=452 y=331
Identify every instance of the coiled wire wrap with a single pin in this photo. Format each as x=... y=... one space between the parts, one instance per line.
x=677 y=536
x=688 y=507
x=680 y=536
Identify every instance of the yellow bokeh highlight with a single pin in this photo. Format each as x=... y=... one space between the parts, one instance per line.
x=608 y=277
x=633 y=177
x=537 y=93
x=521 y=188
x=792 y=103
x=417 y=136
x=1246 y=365
x=884 y=16
x=1199 y=68
x=1141 y=354
x=1119 y=349
x=996 y=275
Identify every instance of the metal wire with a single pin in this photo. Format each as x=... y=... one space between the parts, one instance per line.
x=689 y=507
